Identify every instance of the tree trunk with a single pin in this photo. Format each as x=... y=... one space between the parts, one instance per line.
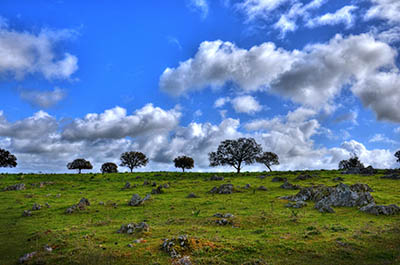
x=79 y=171
x=238 y=170
x=183 y=169
x=270 y=170
x=131 y=168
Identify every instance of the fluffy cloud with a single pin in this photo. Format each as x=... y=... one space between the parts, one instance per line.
x=259 y=8
x=220 y=102
x=390 y=36
x=384 y=9
x=115 y=123
x=43 y=99
x=343 y=15
x=313 y=76
x=24 y=53
x=246 y=104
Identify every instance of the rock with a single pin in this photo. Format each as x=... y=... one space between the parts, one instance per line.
x=226 y=215
x=297 y=205
x=192 y=195
x=146 y=182
x=175 y=247
x=136 y=200
x=127 y=186
x=304 y=177
x=26 y=213
x=338 y=179
x=20 y=186
x=130 y=246
x=154 y=184
x=158 y=190
x=247 y=186
x=36 y=207
x=263 y=188
x=183 y=261
x=80 y=206
x=138 y=177
x=368 y=171
x=47 y=205
x=101 y=203
x=391 y=209
x=223 y=221
x=261 y=177
x=354 y=171
x=223 y=189
x=27 y=257
x=341 y=195
x=47 y=248
x=217 y=178
x=58 y=195
x=279 y=179
x=394 y=176
x=134 y=228
x=166 y=186
x=289 y=186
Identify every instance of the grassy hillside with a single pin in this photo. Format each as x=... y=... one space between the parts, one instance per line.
x=262 y=229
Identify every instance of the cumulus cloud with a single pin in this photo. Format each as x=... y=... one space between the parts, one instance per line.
x=259 y=8
x=344 y=15
x=200 y=6
x=220 y=102
x=24 y=53
x=246 y=104
x=384 y=9
x=390 y=36
x=115 y=123
x=43 y=99
x=312 y=77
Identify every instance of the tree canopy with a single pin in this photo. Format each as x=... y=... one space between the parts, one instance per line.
x=184 y=162
x=79 y=164
x=235 y=153
x=7 y=159
x=352 y=162
x=397 y=155
x=133 y=160
x=109 y=167
x=268 y=159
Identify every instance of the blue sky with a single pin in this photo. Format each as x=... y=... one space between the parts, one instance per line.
x=313 y=81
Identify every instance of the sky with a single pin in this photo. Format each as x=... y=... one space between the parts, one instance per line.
x=313 y=81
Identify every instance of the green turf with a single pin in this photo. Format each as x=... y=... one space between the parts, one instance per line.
x=263 y=229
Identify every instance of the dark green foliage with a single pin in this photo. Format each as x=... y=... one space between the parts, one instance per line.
x=352 y=162
x=184 y=162
x=133 y=160
x=235 y=152
x=79 y=164
x=397 y=155
x=268 y=159
x=109 y=167
x=7 y=159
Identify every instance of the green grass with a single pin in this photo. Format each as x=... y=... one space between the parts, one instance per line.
x=263 y=229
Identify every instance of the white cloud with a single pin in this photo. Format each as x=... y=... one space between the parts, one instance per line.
x=384 y=9
x=397 y=130
x=390 y=36
x=380 y=138
x=259 y=8
x=24 y=53
x=246 y=104
x=200 y=6
x=343 y=15
x=220 y=102
x=43 y=99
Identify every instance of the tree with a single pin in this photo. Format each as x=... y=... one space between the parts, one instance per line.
x=133 y=160
x=109 y=167
x=184 y=162
x=268 y=159
x=397 y=155
x=235 y=152
x=352 y=162
x=79 y=164
x=7 y=159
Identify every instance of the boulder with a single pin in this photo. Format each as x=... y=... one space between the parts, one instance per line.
x=146 y=182
x=166 y=186
x=278 y=179
x=36 y=207
x=304 y=177
x=154 y=184
x=394 y=176
x=338 y=179
x=354 y=171
x=289 y=186
x=80 y=206
x=134 y=228
x=298 y=204
x=136 y=200
x=26 y=213
x=369 y=171
x=360 y=187
x=223 y=189
x=223 y=221
x=372 y=208
x=158 y=190
x=221 y=215
x=217 y=178
x=175 y=247
x=127 y=186
x=247 y=186
x=20 y=186
x=263 y=188
x=192 y=195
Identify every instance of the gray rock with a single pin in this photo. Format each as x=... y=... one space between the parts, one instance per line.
x=338 y=179
x=36 y=207
x=304 y=177
x=26 y=213
x=289 y=186
x=146 y=182
x=261 y=177
x=263 y=188
x=134 y=228
x=20 y=186
x=353 y=171
x=136 y=200
x=391 y=209
x=192 y=195
x=101 y=203
x=221 y=215
x=394 y=176
x=154 y=184
x=223 y=189
x=166 y=186
x=174 y=246
x=217 y=178
x=323 y=207
x=223 y=221
x=297 y=205
x=158 y=190
x=247 y=186
x=47 y=205
x=27 y=257
x=368 y=171
x=80 y=206
x=127 y=186
x=360 y=187
x=278 y=179
x=183 y=261
x=47 y=248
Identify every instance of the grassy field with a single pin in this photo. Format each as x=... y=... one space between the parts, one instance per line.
x=263 y=230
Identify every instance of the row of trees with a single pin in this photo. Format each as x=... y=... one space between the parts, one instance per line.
x=235 y=153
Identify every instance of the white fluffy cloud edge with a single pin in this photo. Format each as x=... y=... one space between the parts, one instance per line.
x=43 y=143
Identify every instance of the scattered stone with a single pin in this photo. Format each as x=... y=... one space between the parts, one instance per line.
x=226 y=215
x=127 y=186
x=175 y=247
x=223 y=189
x=289 y=186
x=47 y=205
x=146 y=182
x=154 y=184
x=372 y=208
x=279 y=179
x=36 y=207
x=20 y=186
x=247 y=186
x=304 y=177
x=136 y=200
x=223 y=221
x=47 y=248
x=26 y=213
x=192 y=195
x=338 y=179
x=158 y=190
x=394 y=176
x=261 y=177
x=101 y=203
x=166 y=186
x=78 y=207
x=27 y=257
x=360 y=187
x=183 y=261
x=297 y=205
x=217 y=178
x=263 y=188
x=134 y=228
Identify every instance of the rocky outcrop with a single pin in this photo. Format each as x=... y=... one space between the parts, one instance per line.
x=217 y=178
x=78 y=207
x=176 y=247
x=136 y=200
x=223 y=189
x=289 y=186
x=278 y=179
x=299 y=204
x=304 y=177
x=20 y=186
x=394 y=176
x=372 y=208
x=361 y=170
x=134 y=228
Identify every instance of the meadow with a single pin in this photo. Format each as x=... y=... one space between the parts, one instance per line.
x=263 y=230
